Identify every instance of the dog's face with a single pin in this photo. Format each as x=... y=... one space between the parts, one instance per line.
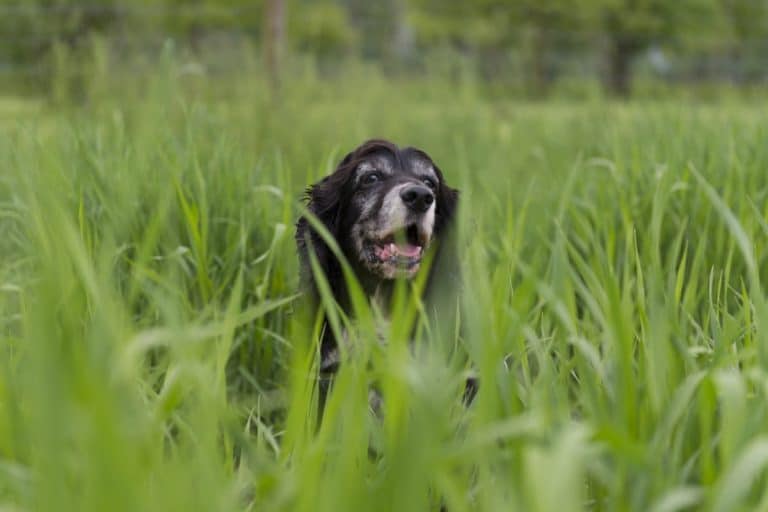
x=391 y=218
x=385 y=206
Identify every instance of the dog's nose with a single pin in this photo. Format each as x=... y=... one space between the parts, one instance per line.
x=417 y=197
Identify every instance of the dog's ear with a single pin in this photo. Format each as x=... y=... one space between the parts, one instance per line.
x=444 y=280
x=324 y=201
x=447 y=202
x=324 y=198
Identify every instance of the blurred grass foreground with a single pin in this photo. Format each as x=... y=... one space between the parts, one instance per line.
x=613 y=254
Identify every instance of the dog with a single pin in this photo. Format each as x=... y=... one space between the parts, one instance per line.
x=387 y=208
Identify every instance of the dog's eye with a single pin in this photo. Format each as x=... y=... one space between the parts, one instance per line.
x=371 y=178
x=430 y=183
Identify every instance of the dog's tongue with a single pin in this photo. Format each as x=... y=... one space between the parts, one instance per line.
x=408 y=250
x=404 y=250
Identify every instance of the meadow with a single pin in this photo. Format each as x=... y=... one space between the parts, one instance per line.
x=613 y=257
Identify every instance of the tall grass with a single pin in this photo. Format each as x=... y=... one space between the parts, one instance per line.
x=154 y=354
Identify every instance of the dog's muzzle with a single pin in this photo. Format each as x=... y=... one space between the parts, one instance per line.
x=404 y=231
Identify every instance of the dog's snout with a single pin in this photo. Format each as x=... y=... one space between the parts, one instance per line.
x=417 y=197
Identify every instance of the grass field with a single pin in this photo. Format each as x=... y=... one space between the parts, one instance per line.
x=614 y=257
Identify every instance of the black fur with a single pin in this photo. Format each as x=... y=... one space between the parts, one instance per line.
x=339 y=201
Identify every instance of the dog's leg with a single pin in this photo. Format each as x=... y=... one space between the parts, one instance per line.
x=324 y=384
x=471 y=386
x=329 y=364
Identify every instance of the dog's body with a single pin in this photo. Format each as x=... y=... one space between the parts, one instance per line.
x=386 y=207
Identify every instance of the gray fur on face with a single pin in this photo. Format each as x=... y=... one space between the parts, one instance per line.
x=394 y=215
x=375 y=163
x=382 y=214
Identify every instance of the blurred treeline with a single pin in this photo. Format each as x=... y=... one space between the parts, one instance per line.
x=532 y=47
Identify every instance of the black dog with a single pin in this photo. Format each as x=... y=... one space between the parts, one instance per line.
x=386 y=207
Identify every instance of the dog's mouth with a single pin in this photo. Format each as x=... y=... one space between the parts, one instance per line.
x=402 y=249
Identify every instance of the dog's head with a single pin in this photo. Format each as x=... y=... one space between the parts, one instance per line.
x=385 y=206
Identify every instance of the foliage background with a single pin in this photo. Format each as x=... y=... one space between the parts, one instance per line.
x=518 y=47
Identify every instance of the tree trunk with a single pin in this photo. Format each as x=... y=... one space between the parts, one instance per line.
x=619 y=79
x=403 y=40
x=540 y=76
x=274 y=40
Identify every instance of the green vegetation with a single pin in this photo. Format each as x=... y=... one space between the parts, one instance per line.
x=153 y=359
x=529 y=46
